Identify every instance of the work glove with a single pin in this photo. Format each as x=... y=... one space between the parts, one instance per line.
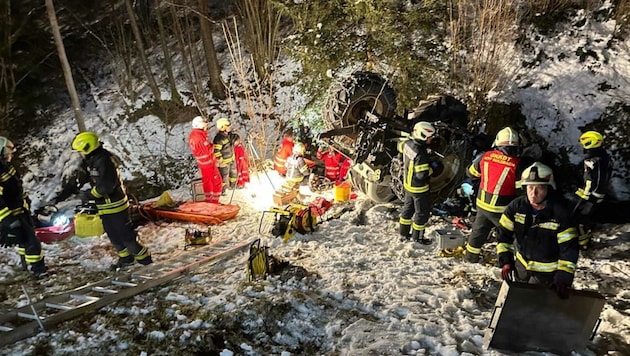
x=507 y=272
x=561 y=286
x=561 y=289
x=85 y=196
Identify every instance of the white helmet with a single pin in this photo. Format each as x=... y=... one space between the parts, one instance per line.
x=6 y=146
x=538 y=173
x=423 y=130
x=506 y=137
x=200 y=123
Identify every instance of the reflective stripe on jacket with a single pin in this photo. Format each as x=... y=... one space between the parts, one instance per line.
x=416 y=166
x=12 y=200
x=285 y=151
x=332 y=163
x=107 y=185
x=543 y=241
x=597 y=173
x=201 y=148
x=497 y=172
x=224 y=146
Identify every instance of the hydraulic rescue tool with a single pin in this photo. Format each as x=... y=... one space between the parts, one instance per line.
x=294 y=218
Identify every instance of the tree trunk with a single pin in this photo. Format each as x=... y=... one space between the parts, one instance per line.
x=67 y=73
x=217 y=87
x=141 y=55
x=167 y=54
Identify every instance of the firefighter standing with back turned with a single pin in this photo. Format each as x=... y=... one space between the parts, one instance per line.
x=108 y=192
x=15 y=215
x=285 y=151
x=224 y=142
x=415 y=211
x=537 y=242
x=497 y=171
x=203 y=150
x=597 y=170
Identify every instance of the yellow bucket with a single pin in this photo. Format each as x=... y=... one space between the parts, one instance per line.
x=86 y=225
x=342 y=191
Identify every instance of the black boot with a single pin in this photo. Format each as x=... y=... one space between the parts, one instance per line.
x=39 y=270
x=122 y=263
x=404 y=231
x=23 y=263
x=418 y=236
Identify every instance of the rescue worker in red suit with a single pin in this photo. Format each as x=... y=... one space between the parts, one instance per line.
x=417 y=172
x=285 y=151
x=597 y=170
x=497 y=171
x=537 y=243
x=224 y=142
x=15 y=214
x=333 y=161
x=110 y=197
x=242 y=164
x=203 y=151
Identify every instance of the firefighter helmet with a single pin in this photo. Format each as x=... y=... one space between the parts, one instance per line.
x=506 y=137
x=591 y=139
x=200 y=123
x=7 y=147
x=223 y=124
x=423 y=130
x=538 y=173
x=85 y=142
x=298 y=149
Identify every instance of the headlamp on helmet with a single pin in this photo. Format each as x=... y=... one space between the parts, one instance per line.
x=298 y=149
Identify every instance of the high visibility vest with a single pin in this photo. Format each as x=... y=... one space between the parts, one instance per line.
x=497 y=172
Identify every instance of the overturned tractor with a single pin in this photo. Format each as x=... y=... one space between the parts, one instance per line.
x=361 y=121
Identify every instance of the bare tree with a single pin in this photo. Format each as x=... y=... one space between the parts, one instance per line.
x=167 y=54
x=141 y=53
x=262 y=23
x=67 y=73
x=217 y=87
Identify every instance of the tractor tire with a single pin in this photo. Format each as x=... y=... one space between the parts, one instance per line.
x=351 y=98
x=347 y=102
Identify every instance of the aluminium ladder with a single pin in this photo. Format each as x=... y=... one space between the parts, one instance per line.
x=29 y=320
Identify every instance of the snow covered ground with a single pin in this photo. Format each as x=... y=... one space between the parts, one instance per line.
x=351 y=289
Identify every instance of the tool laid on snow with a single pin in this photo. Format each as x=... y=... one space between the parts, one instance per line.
x=294 y=218
x=196 y=237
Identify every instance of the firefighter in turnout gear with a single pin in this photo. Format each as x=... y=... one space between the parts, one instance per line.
x=296 y=166
x=597 y=170
x=537 y=243
x=108 y=193
x=203 y=150
x=224 y=142
x=417 y=205
x=285 y=151
x=497 y=171
x=15 y=214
